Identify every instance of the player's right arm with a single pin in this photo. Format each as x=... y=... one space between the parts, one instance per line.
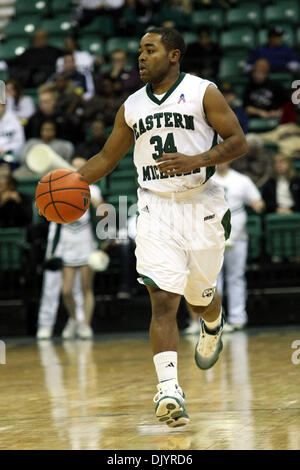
x=116 y=146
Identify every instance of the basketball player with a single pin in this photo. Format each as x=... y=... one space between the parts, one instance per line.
x=174 y=122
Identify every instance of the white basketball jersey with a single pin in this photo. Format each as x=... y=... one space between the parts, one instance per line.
x=174 y=123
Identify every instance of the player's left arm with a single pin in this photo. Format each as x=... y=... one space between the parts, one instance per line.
x=223 y=120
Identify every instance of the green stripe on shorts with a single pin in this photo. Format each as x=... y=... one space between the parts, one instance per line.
x=148 y=281
x=226 y=224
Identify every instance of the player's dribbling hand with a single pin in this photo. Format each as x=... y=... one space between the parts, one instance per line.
x=176 y=163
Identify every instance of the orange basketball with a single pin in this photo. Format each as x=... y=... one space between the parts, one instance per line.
x=62 y=196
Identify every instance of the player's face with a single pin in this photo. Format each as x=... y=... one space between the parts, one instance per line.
x=154 y=59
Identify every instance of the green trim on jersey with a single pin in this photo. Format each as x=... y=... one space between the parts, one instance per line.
x=148 y=281
x=226 y=224
x=169 y=92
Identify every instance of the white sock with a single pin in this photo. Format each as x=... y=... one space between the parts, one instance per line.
x=166 y=365
x=213 y=325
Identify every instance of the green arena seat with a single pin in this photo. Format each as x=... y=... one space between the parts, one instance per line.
x=238 y=38
x=12 y=246
x=13 y=47
x=59 y=6
x=282 y=12
x=189 y=37
x=22 y=26
x=296 y=165
x=248 y=14
x=130 y=45
x=30 y=7
x=92 y=44
x=297 y=38
x=213 y=18
x=57 y=41
x=102 y=26
x=28 y=185
x=262 y=125
x=254 y=230
x=231 y=69
x=59 y=25
x=287 y=39
x=282 y=234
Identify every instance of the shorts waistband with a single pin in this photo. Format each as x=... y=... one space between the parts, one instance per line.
x=177 y=195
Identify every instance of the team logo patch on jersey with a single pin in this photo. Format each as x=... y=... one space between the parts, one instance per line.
x=208 y=292
x=181 y=98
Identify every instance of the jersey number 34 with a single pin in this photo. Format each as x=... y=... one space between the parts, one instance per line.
x=160 y=147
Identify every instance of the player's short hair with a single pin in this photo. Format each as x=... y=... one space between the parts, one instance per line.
x=170 y=38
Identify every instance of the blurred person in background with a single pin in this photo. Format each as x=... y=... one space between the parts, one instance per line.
x=37 y=63
x=281 y=192
x=263 y=97
x=279 y=56
x=69 y=125
x=257 y=163
x=23 y=106
x=231 y=98
x=63 y=147
x=124 y=77
x=137 y=16
x=12 y=136
x=105 y=103
x=77 y=241
x=87 y=10
x=203 y=56
x=96 y=138
x=15 y=207
x=286 y=136
x=84 y=61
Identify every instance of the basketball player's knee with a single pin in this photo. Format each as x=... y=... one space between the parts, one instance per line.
x=165 y=306
x=200 y=309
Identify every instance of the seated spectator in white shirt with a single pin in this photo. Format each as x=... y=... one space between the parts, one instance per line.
x=84 y=63
x=23 y=106
x=12 y=136
x=64 y=148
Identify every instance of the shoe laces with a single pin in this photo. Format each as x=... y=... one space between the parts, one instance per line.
x=163 y=390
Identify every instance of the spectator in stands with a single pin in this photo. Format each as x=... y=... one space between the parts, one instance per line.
x=263 y=97
x=257 y=163
x=104 y=104
x=94 y=142
x=137 y=16
x=72 y=74
x=286 y=136
x=124 y=77
x=36 y=64
x=68 y=122
x=11 y=133
x=15 y=207
x=84 y=62
x=22 y=106
x=48 y=136
x=230 y=97
x=87 y=10
x=281 y=192
x=279 y=56
x=174 y=14
x=203 y=56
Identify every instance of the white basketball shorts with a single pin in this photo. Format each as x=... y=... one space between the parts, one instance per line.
x=180 y=240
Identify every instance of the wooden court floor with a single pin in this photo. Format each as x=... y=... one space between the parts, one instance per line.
x=98 y=395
